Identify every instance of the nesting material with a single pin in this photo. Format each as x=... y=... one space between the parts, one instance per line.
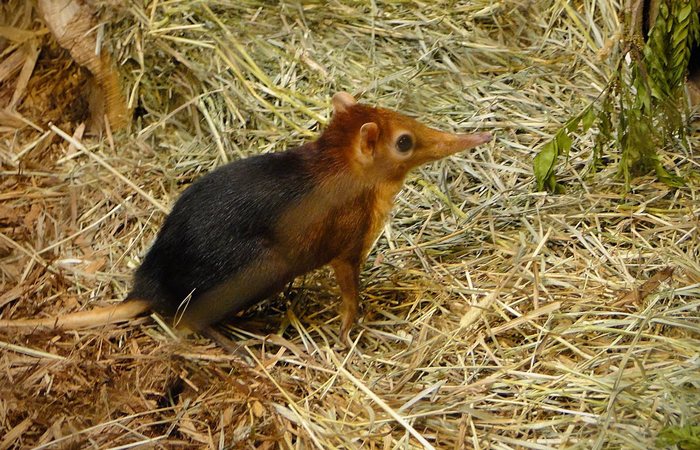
x=494 y=316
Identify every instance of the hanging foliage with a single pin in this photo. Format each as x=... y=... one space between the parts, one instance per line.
x=643 y=107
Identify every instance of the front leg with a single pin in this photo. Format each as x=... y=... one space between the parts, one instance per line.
x=347 y=273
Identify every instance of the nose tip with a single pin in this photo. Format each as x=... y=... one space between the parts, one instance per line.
x=475 y=139
x=484 y=137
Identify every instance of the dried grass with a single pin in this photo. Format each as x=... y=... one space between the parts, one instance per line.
x=494 y=317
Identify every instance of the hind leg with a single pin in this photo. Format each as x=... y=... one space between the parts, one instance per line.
x=251 y=284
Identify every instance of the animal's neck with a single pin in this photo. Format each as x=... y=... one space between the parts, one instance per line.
x=341 y=215
x=341 y=189
x=340 y=182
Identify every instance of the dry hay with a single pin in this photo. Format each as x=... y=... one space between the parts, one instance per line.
x=494 y=317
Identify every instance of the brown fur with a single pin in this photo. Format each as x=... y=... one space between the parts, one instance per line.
x=357 y=167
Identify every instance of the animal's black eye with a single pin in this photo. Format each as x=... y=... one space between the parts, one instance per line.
x=404 y=143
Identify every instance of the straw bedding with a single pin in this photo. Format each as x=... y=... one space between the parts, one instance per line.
x=493 y=316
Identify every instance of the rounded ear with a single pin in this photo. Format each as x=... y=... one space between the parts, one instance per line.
x=342 y=101
x=369 y=137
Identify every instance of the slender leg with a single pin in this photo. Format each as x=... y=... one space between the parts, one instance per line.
x=347 y=273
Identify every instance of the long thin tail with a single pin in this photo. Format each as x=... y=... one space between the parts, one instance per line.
x=125 y=310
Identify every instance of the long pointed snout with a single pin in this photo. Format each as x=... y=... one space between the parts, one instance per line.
x=440 y=144
x=454 y=143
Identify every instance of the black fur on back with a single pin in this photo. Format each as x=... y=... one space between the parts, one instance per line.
x=219 y=225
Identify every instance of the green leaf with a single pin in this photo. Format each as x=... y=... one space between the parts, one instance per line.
x=685 y=12
x=643 y=97
x=588 y=119
x=679 y=37
x=563 y=142
x=572 y=124
x=543 y=164
x=667 y=178
x=680 y=58
x=657 y=91
x=658 y=47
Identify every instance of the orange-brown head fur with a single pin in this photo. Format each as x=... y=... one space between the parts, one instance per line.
x=359 y=164
x=378 y=145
